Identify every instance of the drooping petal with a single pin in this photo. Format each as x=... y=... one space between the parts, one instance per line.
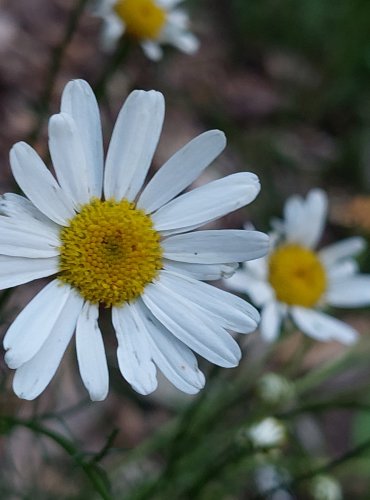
x=181 y=170
x=70 y=163
x=175 y=360
x=216 y=246
x=196 y=330
x=271 y=316
x=91 y=356
x=33 y=325
x=204 y=272
x=78 y=101
x=39 y=185
x=152 y=50
x=134 y=140
x=350 y=292
x=133 y=353
x=32 y=377
x=207 y=203
x=323 y=327
x=230 y=311
x=15 y=271
x=20 y=238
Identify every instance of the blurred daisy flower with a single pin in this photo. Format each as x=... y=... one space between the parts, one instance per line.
x=112 y=243
x=151 y=22
x=325 y=488
x=268 y=433
x=296 y=280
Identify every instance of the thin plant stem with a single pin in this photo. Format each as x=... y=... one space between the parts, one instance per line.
x=91 y=470
x=54 y=67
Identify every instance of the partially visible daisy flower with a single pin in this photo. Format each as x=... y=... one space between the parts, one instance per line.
x=268 y=433
x=151 y=22
x=299 y=281
x=325 y=488
x=274 y=389
x=112 y=243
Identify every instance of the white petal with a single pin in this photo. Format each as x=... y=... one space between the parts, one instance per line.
x=342 y=269
x=175 y=360
x=316 y=208
x=208 y=202
x=20 y=208
x=39 y=185
x=152 y=50
x=18 y=270
x=33 y=325
x=113 y=29
x=184 y=41
x=205 y=272
x=30 y=238
x=229 y=310
x=133 y=353
x=181 y=170
x=134 y=140
x=271 y=316
x=349 y=247
x=191 y=325
x=320 y=326
x=216 y=246
x=91 y=357
x=68 y=156
x=293 y=216
x=32 y=377
x=79 y=102
x=350 y=292
x=260 y=291
x=259 y=268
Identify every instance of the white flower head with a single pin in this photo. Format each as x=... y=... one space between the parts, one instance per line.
x=274 y=389
x=326 y=488
x=268 y=433
x=297 y=280
x=111 y=242
x=151 y=22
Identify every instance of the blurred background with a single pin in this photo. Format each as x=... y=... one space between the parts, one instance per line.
x=289 y=83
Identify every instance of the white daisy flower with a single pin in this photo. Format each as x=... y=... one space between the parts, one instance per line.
x=268 y=433
x=325 y=488
x=151 y=22
x=110 y=242
x=296 y=280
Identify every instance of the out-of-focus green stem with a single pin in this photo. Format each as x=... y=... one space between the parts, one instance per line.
x=54 y=67
x=90 y=469
x=111 y=67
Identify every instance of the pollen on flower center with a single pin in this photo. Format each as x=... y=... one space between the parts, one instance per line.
x=109 y=252
x=143 y=19
x=297 y=275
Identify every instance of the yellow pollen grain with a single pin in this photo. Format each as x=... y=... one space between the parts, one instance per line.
x=143 y=19
x=109 y=252
x=297 y=275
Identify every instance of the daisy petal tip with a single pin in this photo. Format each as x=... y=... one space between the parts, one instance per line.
x=98 y=396
x=12 y=362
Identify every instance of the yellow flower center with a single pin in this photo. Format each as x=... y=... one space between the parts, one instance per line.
x=109 y=252
x=143 y=19
x=297 y=275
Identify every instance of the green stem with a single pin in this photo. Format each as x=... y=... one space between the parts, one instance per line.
x=91 y=471
x=111 y=67
x=54 y=67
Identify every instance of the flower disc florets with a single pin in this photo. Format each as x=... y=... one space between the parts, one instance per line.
x=144 y=19
x=297 y=275
x=110 y=252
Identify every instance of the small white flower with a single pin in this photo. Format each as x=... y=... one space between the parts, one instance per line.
x=151 y=22
x=274 y=389
x=269 y=433
x=295 y=279
x=326 y=488
x=111 y=242
x=269 y=479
